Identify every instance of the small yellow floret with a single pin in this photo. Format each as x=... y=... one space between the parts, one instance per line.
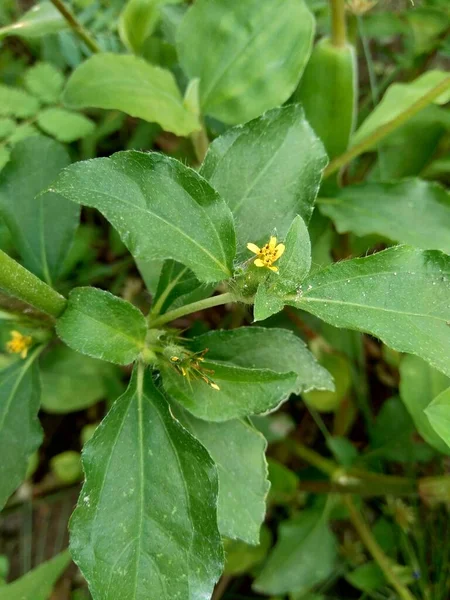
x=268 y=254
x=19 y=344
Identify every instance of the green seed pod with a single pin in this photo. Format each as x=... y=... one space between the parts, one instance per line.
x=328 y=92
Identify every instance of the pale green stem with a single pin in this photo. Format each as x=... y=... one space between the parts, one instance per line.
x=338 y=24
x=377 y=553
x=384 y=130
x=20 y=283
x=76 y=26
x=200 y=142
x=191 y=308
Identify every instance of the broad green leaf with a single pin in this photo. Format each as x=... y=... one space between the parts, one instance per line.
x=268 y=171
x=293 y=266
x=37 y=584
x=238 y=450
x=412 y=211
x=42 y=225
x=304 y=555
x=20 y=433
x=249 y=56
x=398 y=98
x=253 y=378
x=4 y=156
x=44 y=81
x=130 y=84
x=7 y=126
x=438 y=413
x=177 y=286
x=15 y=102
x=103 y=326
x=145 y=526
x=147 y=197
x=65 y=125
x=242 y=558
x=41 y=19
x=367 y=577
x=400 y=295
x=72 y=381
x=419 y=385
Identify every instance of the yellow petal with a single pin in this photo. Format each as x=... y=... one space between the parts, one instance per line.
x=253 y=248
x=214 y=386
x=272 y=242
x=274 y=269
x=279 y=251
x=258 y=262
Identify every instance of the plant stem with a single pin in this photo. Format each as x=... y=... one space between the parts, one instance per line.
x=377 y=553
x=76 y=26
x=329 y=467
x=191 y=308
x=20 y=283
x=200 y=142
x=338 y=25
x=387 y=128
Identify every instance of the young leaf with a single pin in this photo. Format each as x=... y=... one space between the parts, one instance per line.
x=412 y=211
x=248 y=55
x=38 y=583
x=132 y=85
x=252 y=377
x=147 y=198
x=44 y=81
x=400 y=295
x=438 y=413
x=20 y=433
x=42 y=227
x=145 y=525
x=43 y=18
x=304 y=555
x=17 y=103
x=138 y=21
x=268 y=171
x=238 y=449
x=103 y=326
x=64 y=125
x=419 y=385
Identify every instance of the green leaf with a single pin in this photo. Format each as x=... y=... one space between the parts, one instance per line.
x=238 y=450
x=400 y=295
x=248 y=55
x=438 y=413
x=367 y=578
x=268 y=171
x=65 y=125
x=7 y=126
x=241 y=557
x=17 y=103
x=40 y=20
x=412 y=211
x=304 y=555
x=132 y=85
x=103 y=326
x=4 y=157
x=252 y=377
x=293 y=266
x=398 y=98
x=419 y=385
x=147 y=197
x=37 y=584
x=42 y=228
x=145 y=526
x=44 y=81
x=72 y=381
x=20 y=433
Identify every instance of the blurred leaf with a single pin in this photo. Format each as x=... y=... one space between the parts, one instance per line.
x=130 y=84
x=146 y=197
x=163 y=520
x=7 y=126
x=419 y=385
x=17 y=103
x=438 y=413
x=238 y=451
x=20 y=432
x=44 y=81
x=304 y=555
x=367 y=578
x=65 y=125
x=328 y=400
x=40 y=20
x=283 y=483
x=42 y=226
x=248 y=55
x=103 y=326
x=427 y=25
x=66 y=467
x=38 y=583
x=413 y=212
x=241 y=557
x=274 y=427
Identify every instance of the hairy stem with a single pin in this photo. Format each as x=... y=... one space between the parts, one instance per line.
x=20 y=283
x=200 y=142
x=76 y=26
x=387 y=128
x=191 y=308
x=377 y=553
x=338 y=25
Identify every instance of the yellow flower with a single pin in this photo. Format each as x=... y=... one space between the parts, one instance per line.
x=268 y=254
x=19 y=343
